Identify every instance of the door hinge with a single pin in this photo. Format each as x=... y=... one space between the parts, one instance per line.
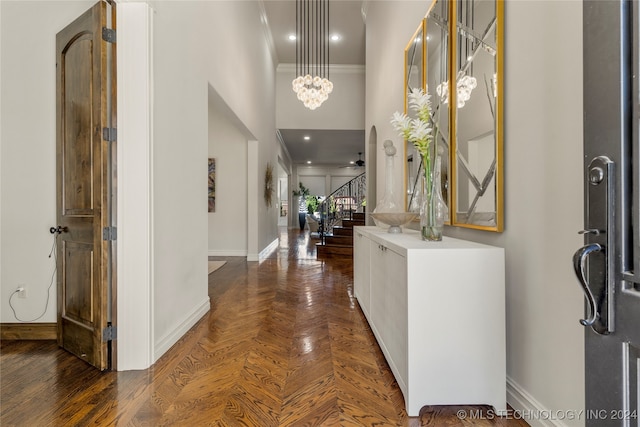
x=109 y=233
x=108 y=35
x=110 y=333
x=109 y=134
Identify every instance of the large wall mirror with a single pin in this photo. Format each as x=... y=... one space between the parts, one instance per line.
x=478 y=167
x=468 y=137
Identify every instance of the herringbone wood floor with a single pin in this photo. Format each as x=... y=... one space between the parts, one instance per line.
x=285 y=344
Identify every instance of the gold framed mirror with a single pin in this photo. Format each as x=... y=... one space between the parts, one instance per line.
x=469 y=137
x=477 y=138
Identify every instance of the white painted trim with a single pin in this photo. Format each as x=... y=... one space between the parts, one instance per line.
x=527 y=407
x=283 y=147
x=364 y=10
x=134 y=195
x=1 y=142
x=165 y=343
x=267 y=251
x=252 y=200
x=268 y=35
x=239 y=252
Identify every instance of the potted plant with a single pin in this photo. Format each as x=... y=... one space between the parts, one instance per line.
x=312 y=204
x=302 y=193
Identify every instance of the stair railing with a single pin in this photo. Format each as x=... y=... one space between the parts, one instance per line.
x=342 y=204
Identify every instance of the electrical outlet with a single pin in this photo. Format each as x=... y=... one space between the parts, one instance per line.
x=22 y=292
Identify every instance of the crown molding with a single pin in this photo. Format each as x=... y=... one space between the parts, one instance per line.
x=268 y=36
x=364 y=10
x=283 y=146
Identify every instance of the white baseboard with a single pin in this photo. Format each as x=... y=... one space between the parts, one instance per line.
x=173 y=336
x=230 y=252
x=267 y=251
x=528 y=408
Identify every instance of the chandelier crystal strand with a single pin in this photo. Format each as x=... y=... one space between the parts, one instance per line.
x=312 y=53
x=464 y=86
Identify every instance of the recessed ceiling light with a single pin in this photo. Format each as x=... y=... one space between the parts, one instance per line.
x=469 y=58
x=335 y=37
x=417 y=40
x=307 y=137
x=308 y=162
x=292 y=37
x=428 y=38
x=352 y=162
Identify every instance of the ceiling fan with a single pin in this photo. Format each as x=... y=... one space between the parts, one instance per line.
x=357 y=164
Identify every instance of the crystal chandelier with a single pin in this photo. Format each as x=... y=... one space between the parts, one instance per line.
x=312 y=83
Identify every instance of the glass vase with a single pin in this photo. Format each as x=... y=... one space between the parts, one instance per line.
x=434 y=210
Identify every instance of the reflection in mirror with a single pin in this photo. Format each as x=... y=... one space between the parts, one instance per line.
x=414 y=65
x=414 y=79
x=437 y=35
x=435 y=30
x=477 y=169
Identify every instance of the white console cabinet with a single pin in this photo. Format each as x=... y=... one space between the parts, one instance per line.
x=437 y=310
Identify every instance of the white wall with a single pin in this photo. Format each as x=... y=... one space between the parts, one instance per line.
x=323 y=181
x=337 y=182
x=228 y=145
x=180 y=150
x=543 y=186
x=197 y=44
x=28 y=151
x=343 y=110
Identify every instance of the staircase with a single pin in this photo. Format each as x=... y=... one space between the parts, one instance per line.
x=339 y=244
x=339 y=212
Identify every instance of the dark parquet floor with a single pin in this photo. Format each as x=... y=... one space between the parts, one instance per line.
x=285 y=344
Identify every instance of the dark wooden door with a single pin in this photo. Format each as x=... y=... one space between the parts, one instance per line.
x=84 y=185
x=609 y=263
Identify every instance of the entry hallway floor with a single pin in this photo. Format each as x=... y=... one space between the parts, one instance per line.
x=285 y=344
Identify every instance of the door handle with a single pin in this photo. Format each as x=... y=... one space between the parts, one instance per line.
x=579 y=261
x=59 y=229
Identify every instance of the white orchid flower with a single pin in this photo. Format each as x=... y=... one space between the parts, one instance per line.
x=402 y=124
x=420 y=102
x=417 y=130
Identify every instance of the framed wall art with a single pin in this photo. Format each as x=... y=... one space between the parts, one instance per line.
x=212 y=184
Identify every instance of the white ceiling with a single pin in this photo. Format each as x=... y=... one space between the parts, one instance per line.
x=329 y=147
x=324 y=147
x=345 y=19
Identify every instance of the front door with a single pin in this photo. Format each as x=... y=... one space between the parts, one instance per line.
x=609 y=263
x=84 y=111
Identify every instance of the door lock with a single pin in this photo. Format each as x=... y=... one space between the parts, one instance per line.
x=59 y=230
x=596 y=175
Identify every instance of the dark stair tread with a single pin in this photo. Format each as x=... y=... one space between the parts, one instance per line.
x=339 y=240
x=352 y=222
x=333 y=251
x=342 y=231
